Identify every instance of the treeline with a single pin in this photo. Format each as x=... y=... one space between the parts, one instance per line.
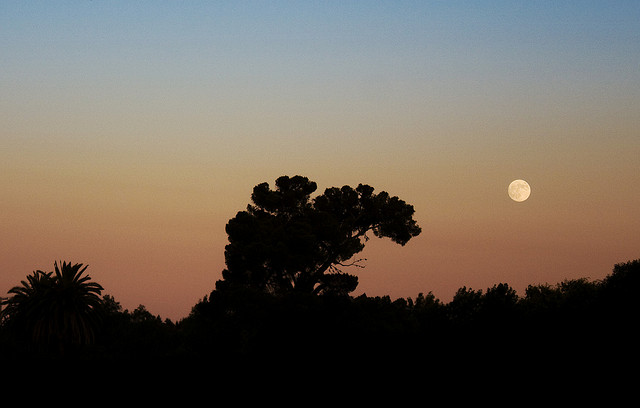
x=573 y=318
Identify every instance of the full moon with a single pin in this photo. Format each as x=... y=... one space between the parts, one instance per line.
x=519 y=190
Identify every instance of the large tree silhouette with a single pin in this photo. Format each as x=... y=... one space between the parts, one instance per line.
x=286 y=241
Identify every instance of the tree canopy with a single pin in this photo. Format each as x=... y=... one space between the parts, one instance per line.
x=287 y=241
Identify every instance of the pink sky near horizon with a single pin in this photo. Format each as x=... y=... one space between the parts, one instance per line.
x=130 y=134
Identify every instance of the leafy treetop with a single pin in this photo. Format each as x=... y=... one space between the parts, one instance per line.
x=287 y=241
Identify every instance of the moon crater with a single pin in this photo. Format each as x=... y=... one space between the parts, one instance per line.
x=519 y=190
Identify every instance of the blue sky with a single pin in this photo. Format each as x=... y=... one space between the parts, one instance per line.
x=121 y=118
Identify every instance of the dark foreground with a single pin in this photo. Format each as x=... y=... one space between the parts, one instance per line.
x=573 y=324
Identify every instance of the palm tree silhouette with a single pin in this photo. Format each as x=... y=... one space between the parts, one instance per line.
x=27 y=300
x=56 y=309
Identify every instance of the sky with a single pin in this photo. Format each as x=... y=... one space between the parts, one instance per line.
x=132 y=131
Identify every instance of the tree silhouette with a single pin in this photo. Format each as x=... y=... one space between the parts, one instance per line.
x=499 y=304
x=465 y=306
x=56 y=308
x=285 y=241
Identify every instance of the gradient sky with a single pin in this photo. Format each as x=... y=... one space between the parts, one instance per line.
x=132 y=131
